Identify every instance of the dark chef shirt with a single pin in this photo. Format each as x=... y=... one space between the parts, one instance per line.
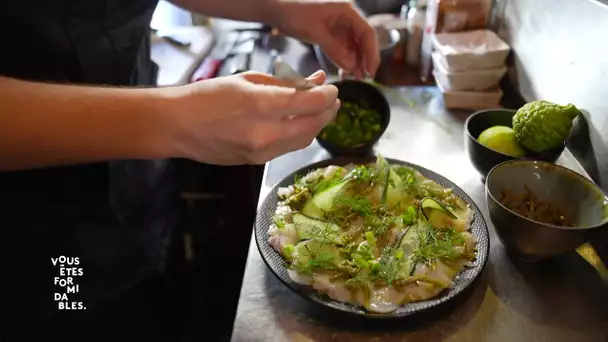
x=116 y=217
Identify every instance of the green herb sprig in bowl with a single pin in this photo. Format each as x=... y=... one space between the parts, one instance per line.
x=355 y=124
x=363 y=117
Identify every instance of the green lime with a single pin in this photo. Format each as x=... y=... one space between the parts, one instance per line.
x=501 y=139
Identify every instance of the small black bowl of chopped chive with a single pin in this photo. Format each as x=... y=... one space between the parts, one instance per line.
x=363 y=117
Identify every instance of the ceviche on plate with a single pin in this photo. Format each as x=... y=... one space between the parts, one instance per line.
x=374 y=235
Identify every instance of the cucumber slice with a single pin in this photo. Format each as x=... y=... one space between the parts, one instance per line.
x=310 y=228
x=407 y=243
x=392 y=193
x=305 y=248
x=436 y=213
x=383 y=169
x=431 y=203
x=320 y=203
x=395 y=194
x=408 y=237
x=324 y=254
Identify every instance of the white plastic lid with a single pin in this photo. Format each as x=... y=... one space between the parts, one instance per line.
x=468 y=42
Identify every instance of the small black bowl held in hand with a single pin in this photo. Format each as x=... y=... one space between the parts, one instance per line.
x=357 y=92
x=485 y=158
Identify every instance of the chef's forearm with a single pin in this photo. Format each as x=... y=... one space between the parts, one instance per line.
x=264 y=11
x=46 y=124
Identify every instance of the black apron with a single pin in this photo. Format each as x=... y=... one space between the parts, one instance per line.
x=116 y=217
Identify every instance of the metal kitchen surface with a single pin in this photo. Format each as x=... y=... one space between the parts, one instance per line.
x=559 y=300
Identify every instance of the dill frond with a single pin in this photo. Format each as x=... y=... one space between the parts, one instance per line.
x=434 y=244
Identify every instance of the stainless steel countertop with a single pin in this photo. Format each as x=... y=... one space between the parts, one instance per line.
x=559 y=300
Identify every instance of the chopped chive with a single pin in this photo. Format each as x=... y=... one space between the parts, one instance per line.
x=371 y=239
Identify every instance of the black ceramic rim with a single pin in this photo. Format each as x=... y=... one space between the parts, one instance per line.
x=474 y=139
x=374 y=140
x=277 y=264
x=528 y=157
x=479 y=112
x=559 y=168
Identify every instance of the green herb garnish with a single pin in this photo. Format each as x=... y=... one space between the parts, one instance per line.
x=367 y=227
x=359 y=204
x=355 y=124
x=299 y=198
x=360 y=280
x=288 y=251
x=359 y=260
x=364 y=173
x=389 y=266
x=327 y=183
x=365 y=251
x=322 y=233
x=376 y=218
x=436 y=244
x=408 y=217
x=279 y=221
x=407 y=176
x=325 y=261
x=380 y=223
x=320 y=184
x=371 y=239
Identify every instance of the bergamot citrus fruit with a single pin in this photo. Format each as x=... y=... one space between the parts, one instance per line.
x=541 y=125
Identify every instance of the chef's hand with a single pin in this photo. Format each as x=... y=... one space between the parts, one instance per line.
x=336 y=26
x=249 y=118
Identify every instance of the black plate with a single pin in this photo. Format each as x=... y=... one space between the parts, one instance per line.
x=278 y=265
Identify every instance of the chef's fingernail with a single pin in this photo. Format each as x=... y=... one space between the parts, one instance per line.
x=316 y=73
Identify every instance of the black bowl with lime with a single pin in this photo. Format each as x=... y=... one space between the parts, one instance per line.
x=363 y=117
x=537 y=131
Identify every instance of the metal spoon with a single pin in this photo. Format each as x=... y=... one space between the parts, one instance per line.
x=287 y=74
x=590 y=255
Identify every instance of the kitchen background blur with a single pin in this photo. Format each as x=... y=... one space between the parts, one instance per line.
x=555 y=50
